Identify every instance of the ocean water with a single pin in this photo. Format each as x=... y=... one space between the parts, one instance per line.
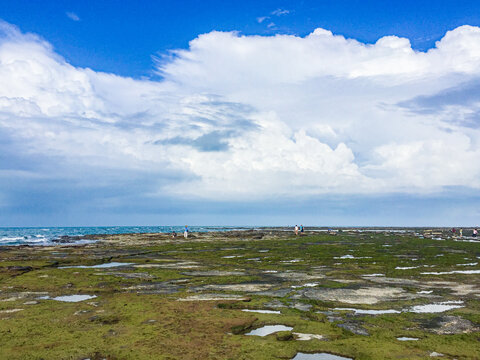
x=47 y=235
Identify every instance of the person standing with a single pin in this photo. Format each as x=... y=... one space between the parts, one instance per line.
x=185 y=232
x=460 y=232
x=475 y=232
x=296 y=229
x=301 y=230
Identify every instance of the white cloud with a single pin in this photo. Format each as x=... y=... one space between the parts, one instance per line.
x=248 y=117
x=261 y=19
x=280 y=12
x=72 y=16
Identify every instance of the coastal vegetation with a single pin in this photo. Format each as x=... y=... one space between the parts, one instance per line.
x=353 y=294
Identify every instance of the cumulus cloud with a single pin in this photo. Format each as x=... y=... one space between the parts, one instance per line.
x=249 y=117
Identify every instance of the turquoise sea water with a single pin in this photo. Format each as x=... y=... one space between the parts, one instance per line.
x=46 y=235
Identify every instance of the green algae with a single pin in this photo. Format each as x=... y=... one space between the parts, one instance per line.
x=124 y=323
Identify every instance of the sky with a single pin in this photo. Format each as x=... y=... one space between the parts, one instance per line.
x=334 y=113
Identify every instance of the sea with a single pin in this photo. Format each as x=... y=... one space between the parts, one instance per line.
x=47 y=235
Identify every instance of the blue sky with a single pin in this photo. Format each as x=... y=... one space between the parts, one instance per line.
x=239 y=113
x=121 y=36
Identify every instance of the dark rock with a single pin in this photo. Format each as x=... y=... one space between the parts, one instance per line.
x=164 y=287
x=21 y=269
x=301 y=306
x=275 y=293
x=354 y=328
x=105 y=319
x=449 y=325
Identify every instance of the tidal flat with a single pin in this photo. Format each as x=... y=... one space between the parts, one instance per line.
x=158 y=297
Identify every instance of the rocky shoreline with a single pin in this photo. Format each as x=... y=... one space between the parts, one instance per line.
x=348 y=290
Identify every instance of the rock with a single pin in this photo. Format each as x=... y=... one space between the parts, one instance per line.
x=178 y=265
x=22 y=269
x=105 y=319
x=164 y=287
x=9 y=311
x=214 y=273
x=354 y=328
x=435 y=354
x=371 y=295
x=241 y=328
x=449 y=325
x=138 y=275
x=307 y=337
x=214 y=297
x=301 y=306
x=284 y=335
x=297 y=276
x=255 y=287
x=30 y=302
x=275 y=293
x=80 y=312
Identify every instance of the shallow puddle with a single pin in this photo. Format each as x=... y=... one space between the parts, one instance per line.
x=73 y=298
x=436 y=308
x=100 y=266
x=269 y=329
x=369 y=312
x=373 y=275
x=452 y=272
x=304 y=285
x=427 y=308
x=344 y=257
x=407 y=339
x=319 y=356
x=262 y=311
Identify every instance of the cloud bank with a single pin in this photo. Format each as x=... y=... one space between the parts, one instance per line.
x=247 y=117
